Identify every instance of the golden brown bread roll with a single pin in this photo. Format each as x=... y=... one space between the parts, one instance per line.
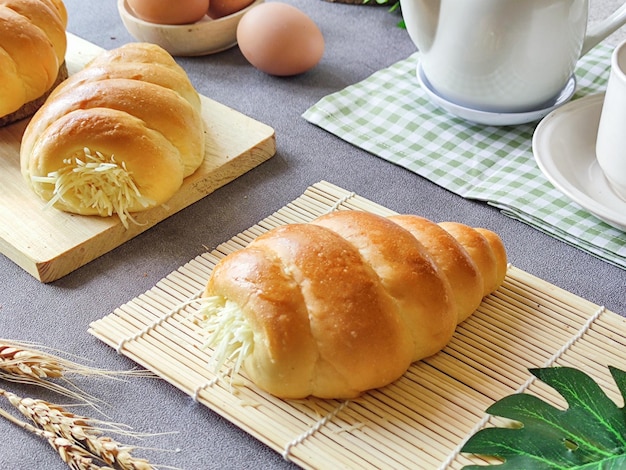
x=453 y=259
x=32 y=54
x=117 y=137
x=346 y=303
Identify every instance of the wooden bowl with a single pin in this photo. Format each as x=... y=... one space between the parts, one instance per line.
x=204 y=37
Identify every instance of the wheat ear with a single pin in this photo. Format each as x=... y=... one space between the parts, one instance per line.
x=29 y=363
x=75 y=456
x=75 y=437
x=22 y=363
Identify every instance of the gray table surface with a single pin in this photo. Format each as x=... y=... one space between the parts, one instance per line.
x=359 y=41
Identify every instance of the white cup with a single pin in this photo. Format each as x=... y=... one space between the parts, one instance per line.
x=611 y=141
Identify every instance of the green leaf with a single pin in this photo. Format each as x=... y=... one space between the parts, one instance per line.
x=589 y=434
x=617 y=462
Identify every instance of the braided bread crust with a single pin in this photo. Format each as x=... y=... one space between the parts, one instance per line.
x=117 y=137
x=32 y=52
x=346 y=303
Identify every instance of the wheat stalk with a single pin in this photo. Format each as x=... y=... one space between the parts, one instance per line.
x=75 y=456
x=78 y=440
x=29 y=363
x=22 y=363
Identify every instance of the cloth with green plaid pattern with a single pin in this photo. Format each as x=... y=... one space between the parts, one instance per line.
x=391 y=116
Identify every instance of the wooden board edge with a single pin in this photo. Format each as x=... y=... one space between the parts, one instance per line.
x=192 y=191
x=112 y=234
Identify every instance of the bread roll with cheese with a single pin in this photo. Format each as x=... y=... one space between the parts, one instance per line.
x=345 y=303
x=465 y=277
x=32 y=54
x=118 y=137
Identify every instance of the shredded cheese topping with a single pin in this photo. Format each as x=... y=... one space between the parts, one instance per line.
x=229 y=333
x=98 y=182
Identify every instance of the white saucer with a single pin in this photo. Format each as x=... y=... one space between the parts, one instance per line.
x=564 y=147
x=496 y=118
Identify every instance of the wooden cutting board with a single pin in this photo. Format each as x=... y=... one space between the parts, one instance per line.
x=50 y=244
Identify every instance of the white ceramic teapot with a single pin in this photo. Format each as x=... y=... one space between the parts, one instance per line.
x=504 y=56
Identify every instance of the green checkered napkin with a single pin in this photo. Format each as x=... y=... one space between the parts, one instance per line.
x=390 y=115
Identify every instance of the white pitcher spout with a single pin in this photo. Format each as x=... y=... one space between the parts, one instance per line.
x=603 y=29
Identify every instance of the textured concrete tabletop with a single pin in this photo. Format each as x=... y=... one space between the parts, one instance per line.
x=359 y=41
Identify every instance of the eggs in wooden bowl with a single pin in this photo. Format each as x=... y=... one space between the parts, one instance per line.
x=205 y=35
x=221 y=8
x=169 y=11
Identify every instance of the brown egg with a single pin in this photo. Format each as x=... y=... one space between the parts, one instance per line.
x=279 y=39
x=169 y=11
x=219 y=8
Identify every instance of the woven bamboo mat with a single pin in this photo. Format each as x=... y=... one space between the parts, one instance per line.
x=418 y=422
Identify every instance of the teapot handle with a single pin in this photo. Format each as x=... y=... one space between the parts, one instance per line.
x=604 y=28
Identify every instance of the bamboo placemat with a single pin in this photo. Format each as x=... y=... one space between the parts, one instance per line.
x=421 y=420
